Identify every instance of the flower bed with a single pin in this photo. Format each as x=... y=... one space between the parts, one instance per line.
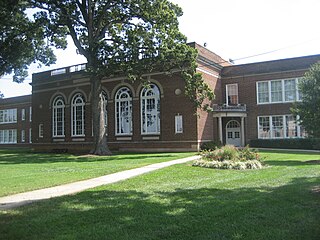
x=230 y=157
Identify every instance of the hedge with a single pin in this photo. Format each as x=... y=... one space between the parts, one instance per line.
x=291 y=143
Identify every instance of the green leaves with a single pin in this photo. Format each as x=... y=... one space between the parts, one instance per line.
x=309 y=108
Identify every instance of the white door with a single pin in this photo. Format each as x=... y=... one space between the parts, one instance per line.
x=233 y=135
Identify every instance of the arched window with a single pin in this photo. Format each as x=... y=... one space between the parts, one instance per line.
x=150 y=110
x=123 y=111
x=77 y=115
x=58 y=117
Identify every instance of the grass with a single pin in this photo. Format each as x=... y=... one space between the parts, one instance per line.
x=22 y=171
x=184 y=202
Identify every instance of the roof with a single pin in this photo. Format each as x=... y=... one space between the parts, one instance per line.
x=14 y=100
x=282 y=65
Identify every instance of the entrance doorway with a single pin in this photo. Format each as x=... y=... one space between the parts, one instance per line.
x=233 y=134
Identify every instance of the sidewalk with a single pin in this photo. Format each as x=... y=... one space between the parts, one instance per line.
x=21 y=199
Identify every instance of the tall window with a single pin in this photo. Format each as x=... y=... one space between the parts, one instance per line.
x=30 y=114
x=23 y=136
x=289 y=90
x=58 y=117
x=264 y=127
x=77 y=115
x=277 y=127
x=178 y=122
x=23 y=114
x=123 y=111
x=150 y=110
x=276 y=91
x=263 y=92
x=232 y=94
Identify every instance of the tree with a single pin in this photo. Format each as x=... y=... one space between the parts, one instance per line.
x=22 y=40
x=123 y=37
x=308 y=109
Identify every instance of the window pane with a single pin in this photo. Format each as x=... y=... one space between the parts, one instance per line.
x=123 y=111
x=264 y=127
x=276 y=91
x=277 y=127
x=263 y=92
x=178 y=124
x=290 y=90
x=232 y=93
x=291 y=127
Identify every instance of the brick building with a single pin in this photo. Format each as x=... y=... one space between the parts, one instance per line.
x=252 y=101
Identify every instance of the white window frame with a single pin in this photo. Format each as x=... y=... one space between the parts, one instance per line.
x=30 y=114
x=178 y=122
x=8 y=116
x=227 y=92
x=284 y=126
x=30 y=135
x=55 y=107
x=296 y=97
x=5 y=136
x=23 y=114
x=155 y=95
x=23 y=136
x=118 y=102
x=41 y=130
x=74 y=117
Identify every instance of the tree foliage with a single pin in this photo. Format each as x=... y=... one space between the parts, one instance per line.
x=308 y=109
x=23 y=41
x=120 y=37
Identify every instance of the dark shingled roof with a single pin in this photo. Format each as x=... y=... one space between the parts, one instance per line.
x=282 y=65
x=14 y=100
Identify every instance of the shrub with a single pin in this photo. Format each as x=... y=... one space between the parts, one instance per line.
x=291 y=143
x=212 y=145
x=229 y=157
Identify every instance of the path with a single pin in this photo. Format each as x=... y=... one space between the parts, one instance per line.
x=21 y=199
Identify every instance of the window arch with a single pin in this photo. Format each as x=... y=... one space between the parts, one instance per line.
x=58 y=107
x=123 y=100
x=150 y=110
x=77 y=115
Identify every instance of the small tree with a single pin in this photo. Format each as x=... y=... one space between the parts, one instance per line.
x=308 y=109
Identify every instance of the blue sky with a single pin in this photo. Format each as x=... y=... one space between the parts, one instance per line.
x=233 y=29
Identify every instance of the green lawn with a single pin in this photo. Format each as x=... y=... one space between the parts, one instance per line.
x=22 y=171
x=183 y=202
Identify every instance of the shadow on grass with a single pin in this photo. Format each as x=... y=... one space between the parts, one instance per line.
x=291 y=163
x=10 y=157
x=287 y=212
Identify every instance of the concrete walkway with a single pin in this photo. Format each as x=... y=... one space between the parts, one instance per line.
x=21 y=199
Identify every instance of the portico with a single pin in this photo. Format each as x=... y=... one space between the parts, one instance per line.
x=231 y=119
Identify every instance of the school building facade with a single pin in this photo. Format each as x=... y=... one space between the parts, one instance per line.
x=252 y=101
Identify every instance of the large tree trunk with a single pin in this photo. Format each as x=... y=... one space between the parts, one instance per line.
x=98 y=124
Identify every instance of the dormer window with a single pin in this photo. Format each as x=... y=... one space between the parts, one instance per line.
x=232 y=94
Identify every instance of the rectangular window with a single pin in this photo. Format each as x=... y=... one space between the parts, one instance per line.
x=178 y=124
x=30 y=114
x=30 y=135
x=299 y=95
x=8 y=136
x=276 y=91
x=283 y=126
x=263 y=92
x=8 y=116
x=232 y=94
x=23 y=136
x=40 y=130
x=23 y=114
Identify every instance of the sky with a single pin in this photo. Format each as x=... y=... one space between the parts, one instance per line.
x=233 y=29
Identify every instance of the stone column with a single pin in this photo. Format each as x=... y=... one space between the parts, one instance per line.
x=220 y=130
x=242 y=132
